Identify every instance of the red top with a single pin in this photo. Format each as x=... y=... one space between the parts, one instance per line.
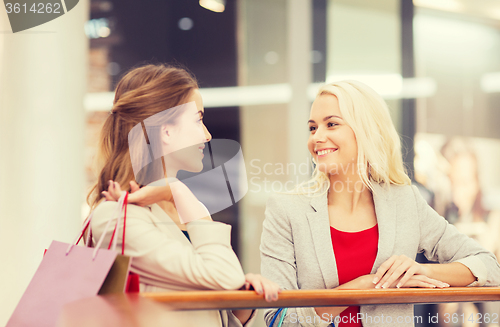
x=355 y=253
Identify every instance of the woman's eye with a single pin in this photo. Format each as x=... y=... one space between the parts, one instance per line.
x=312 y=128
x=332 y=124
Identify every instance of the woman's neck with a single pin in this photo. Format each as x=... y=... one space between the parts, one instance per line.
x=171 y=211
x=170 y=170
x=348 y=192
x=169 y=206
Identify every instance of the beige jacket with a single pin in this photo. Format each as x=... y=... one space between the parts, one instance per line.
x=166 y=261
x=297 y=251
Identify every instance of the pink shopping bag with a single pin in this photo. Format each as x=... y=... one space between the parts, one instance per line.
x=67 y=273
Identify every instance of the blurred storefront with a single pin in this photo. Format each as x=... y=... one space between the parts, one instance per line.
x=457 y=146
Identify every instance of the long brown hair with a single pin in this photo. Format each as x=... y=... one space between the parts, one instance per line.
x=141 y=93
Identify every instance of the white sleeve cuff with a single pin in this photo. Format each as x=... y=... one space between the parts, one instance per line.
x=310 y=318
x=477 y=268
x=202 y=232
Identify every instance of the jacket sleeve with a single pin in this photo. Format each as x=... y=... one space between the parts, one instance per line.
x=442 y=242
x=278 y=263
x=210 y=263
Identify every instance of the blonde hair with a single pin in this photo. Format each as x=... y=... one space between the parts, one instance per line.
x=141 y=93
x=379 y=147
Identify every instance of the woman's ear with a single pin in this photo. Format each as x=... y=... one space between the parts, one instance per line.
x=165 y=134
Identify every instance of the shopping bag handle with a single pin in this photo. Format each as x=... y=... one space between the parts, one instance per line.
x=113 y=238
x=118 y=214
x=87 y=224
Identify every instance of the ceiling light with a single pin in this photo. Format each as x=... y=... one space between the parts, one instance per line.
x=214 y=5
x=490 y=82
x=445 y=5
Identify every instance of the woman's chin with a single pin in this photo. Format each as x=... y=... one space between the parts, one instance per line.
x=327 y=168
x=195 y=168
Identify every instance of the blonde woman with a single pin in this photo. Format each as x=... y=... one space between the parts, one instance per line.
x=359 y=224
x=169 y=254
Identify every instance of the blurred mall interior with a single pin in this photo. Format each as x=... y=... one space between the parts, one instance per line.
x=259 y=63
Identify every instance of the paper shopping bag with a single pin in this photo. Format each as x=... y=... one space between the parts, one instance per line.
x=67 y=273
x=116 y=280
x=61 y=278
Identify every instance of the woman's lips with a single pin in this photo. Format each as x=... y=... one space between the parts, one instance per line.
x=324 y=152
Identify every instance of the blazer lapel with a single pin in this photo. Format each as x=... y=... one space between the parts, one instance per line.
x=386 y=211
x=320 y=231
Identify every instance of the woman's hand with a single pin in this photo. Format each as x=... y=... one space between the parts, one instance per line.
x=422 y=281
x=366 y=282
x=139 y=196
x=361 y=283
x=187 y=205
x=114 y=191
x=397 y=268
x=262 y=285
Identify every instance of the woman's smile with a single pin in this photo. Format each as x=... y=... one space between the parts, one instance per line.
x=324 y=152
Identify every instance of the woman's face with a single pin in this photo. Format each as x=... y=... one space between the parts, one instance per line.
x=332 y=142
x=185 y=139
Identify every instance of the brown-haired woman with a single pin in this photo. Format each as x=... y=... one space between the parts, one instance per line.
x=169 y=255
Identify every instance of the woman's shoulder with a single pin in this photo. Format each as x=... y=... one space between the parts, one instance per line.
x=395 y=192
x=289 y=198
x=408 y=198
x=292 y=203
x=109 y=209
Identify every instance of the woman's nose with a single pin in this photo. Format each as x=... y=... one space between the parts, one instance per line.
x=319 y=136
x=208 y=136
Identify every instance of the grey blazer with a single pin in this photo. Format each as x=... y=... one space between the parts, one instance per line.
x=297 y=252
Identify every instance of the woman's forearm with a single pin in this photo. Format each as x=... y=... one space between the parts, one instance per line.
x=455 y=273
x=362 y=282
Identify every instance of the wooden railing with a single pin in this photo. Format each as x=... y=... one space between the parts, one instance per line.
x=158 y=309
x=195 y=300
